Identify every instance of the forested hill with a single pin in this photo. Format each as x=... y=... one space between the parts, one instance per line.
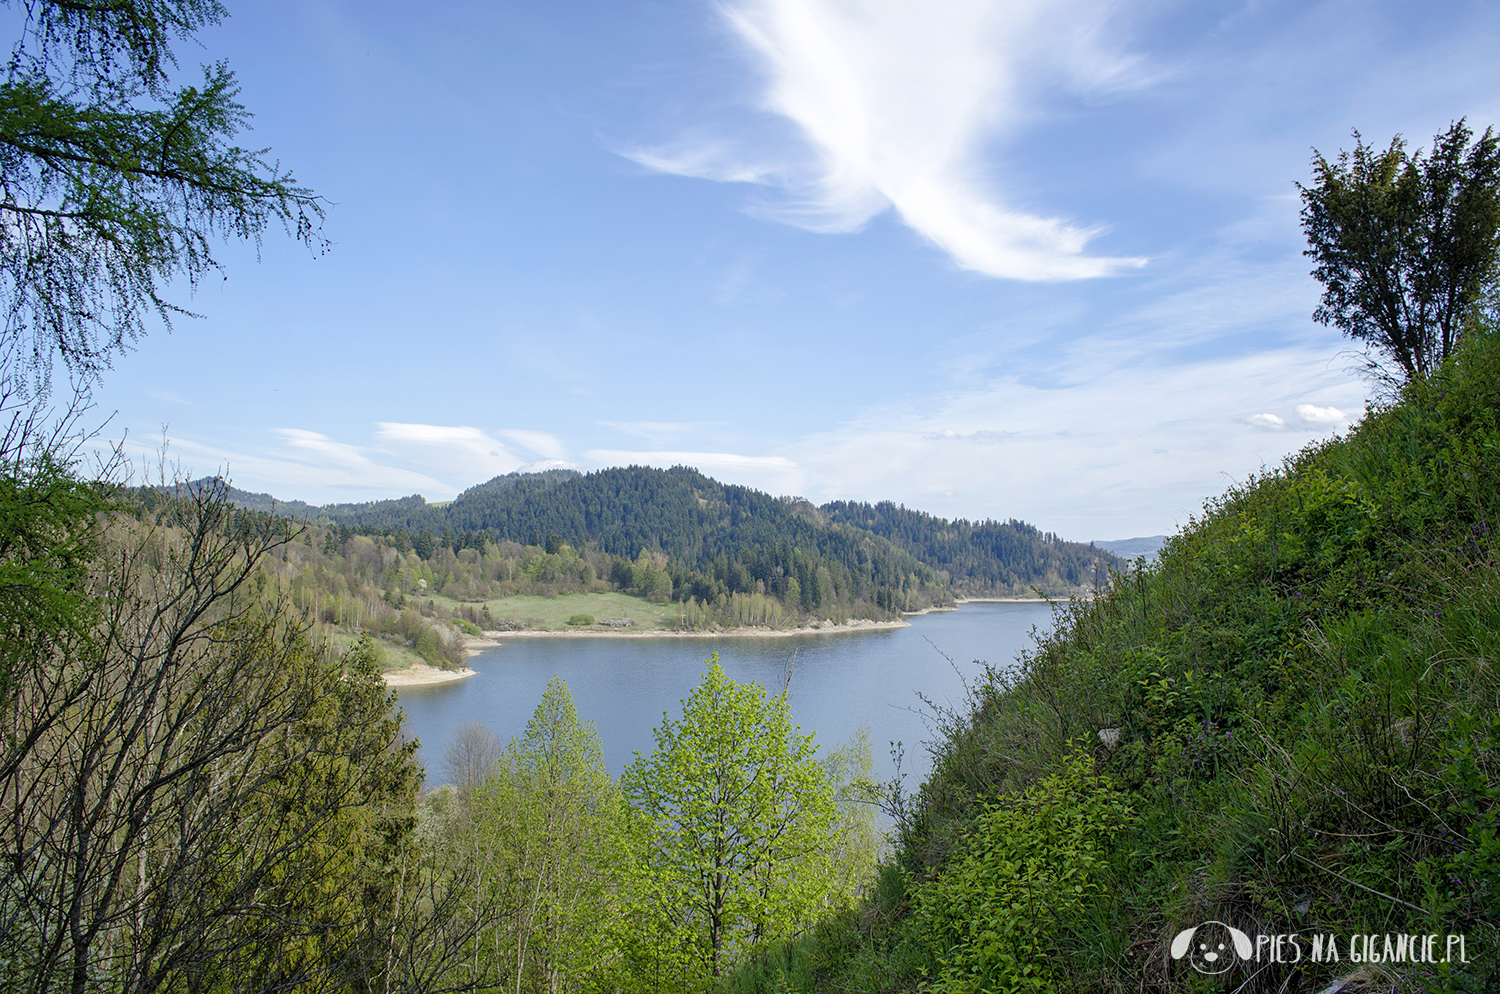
x=724 y=538
x=986 y=557
x=410 y=514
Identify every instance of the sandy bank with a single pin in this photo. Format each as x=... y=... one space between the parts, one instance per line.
x=977 y=600
x=858 y=625
x=418 y=676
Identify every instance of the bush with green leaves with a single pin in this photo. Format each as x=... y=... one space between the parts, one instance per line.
x=1027 y=872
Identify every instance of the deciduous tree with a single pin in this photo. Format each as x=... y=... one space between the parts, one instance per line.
x=1406 y=246
x=741 y=819
x=189 y=790
x=551 y=830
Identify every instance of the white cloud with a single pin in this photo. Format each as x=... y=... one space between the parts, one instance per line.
x=325 y=449
x=1309 y=414
x=316 y=469
x=1097 y=456
x=463 y=452
x=983 y=436
x=894 y=101
x=545 y=464
x=544 y=444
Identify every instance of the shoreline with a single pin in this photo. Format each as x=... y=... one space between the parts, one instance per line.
x=976 y=600
x=423 y=676
x=493 y=638
x=490 y=639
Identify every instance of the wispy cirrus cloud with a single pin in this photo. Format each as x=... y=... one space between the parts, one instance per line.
x=544 y=444
x=1094 y=457
x=458 y=450
x=894 y=103
x=437 y=461
x=308 y=466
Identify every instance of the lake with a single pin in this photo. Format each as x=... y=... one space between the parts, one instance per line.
x=839 y=681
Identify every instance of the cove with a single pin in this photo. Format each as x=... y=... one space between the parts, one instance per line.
x=838 y=682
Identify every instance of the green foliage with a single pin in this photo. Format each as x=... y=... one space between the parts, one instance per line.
x=581 y=619
x=116 y=183
x=740 y=817
x=1407 y=246
x=677 y=534
x=1027 y=870
x=1296 y=700
x=48 y=540
x=554 y=833
x=1009 y=558
x=208 y=795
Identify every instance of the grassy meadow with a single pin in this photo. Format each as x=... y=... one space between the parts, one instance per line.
x=553 y=613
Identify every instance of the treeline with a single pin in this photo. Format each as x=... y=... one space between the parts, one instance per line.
x=657 y=536
x=984 y=558
x=403 y=591
x=718 y=540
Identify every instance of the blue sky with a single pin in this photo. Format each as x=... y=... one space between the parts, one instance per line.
x=1022 y=259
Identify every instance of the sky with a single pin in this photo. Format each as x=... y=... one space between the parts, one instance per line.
x=1022 y=259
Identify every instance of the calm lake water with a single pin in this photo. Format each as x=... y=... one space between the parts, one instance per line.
x=839 y=682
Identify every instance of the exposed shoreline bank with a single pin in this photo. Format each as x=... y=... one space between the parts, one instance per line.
x=491 y=639
x=494 y=638
x=427 y=675
x=976 y=600
x=421 y=676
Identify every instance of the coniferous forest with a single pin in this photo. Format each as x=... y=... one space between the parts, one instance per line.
x=722 y=539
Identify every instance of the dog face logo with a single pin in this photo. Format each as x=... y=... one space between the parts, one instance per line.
x=1212 y=947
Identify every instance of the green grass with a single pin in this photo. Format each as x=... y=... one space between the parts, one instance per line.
x=1301 y=692
x=552 y=613
x=396 y=657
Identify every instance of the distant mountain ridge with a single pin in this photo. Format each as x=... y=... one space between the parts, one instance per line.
x=1130 y=548
x=730 y=534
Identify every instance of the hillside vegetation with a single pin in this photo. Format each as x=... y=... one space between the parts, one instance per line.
x=1287 y=723
x=980 y=558
x=731 y=555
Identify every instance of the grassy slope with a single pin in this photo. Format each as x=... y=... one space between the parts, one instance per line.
x=554 y=612
x=1306 y=700
x=388 y=654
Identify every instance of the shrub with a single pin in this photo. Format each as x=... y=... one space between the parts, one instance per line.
x=1028 y=870
x=581 y=619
